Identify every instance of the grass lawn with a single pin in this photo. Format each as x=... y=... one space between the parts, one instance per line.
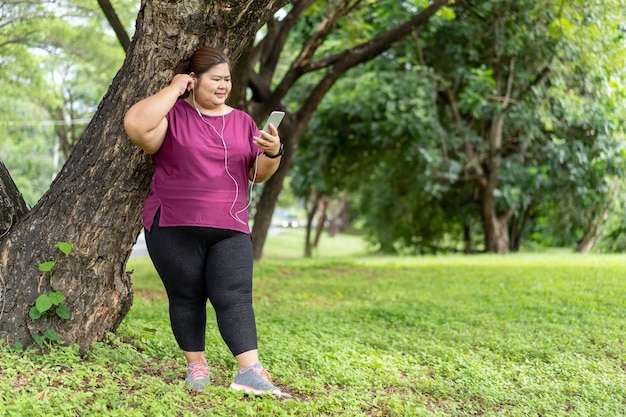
x=350 y=334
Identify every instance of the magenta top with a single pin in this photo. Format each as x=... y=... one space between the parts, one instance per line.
x=201 y=170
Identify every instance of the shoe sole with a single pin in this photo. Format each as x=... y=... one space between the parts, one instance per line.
x=249 y=390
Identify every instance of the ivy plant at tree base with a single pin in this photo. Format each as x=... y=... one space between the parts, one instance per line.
x=45 y=302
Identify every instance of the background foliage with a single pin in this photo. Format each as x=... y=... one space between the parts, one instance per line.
x=404 y=139
x=58 y=58
x=409 y=135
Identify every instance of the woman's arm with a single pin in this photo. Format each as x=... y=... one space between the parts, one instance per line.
x=145 y=122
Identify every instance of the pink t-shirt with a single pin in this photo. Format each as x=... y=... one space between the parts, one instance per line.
x=201 y=170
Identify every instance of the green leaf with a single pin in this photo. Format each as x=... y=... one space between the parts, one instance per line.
x=43 y=303
x=40 y=340
x=148 y=332
x=63 y=312
x=34 y=313
x=51 y=334
x=65 y=247
x=56 y=298
x=447 y=13
x=46 y=266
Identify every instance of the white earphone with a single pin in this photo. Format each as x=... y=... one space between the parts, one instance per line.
x=256 y=165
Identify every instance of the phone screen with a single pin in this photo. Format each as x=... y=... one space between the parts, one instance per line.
x=275 y=118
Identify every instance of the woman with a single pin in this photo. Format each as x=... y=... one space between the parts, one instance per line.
x=196 y=214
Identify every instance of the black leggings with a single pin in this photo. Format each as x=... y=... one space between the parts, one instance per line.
x=200 y=263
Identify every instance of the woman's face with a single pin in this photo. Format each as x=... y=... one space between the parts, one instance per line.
x=214 y=86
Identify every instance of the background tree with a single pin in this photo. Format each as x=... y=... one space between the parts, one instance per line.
x=499 y=131
x=519 y=85
x=58 y=62
x=329 y=44
x=378 y=151
x=585 y=125
x=21 y=26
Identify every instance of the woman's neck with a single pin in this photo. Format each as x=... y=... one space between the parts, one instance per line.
x=219 y=110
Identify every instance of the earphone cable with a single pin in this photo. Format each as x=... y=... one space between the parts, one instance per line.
x=256 y=161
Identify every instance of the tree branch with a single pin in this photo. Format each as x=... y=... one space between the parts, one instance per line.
x=302 y=62
x=267 y=52
x=115 y=23
x=540 y=78
x=349 y=58
x=509 y=85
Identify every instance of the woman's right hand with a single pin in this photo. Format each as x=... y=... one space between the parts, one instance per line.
x=182 y=82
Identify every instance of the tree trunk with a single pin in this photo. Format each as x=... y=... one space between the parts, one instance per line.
x=518 y=227
x=496 y=232
x=597 y=219
x=96 y=200
x=13 y=204
x=310 y=205
x=594 y=226
x=588 y=241
x=340 y=219
x=321 y=220
x=467 y=239
x=496 y=227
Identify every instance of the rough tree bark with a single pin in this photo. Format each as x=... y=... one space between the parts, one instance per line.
x=96 y=200
x=13 y=205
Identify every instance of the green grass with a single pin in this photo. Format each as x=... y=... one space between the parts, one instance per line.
x=352 y=335
x=289 y=244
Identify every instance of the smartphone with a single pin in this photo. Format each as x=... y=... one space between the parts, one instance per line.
x=275 y=118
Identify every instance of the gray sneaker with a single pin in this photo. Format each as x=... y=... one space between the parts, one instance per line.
x=198 y=376
x=255 y=380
